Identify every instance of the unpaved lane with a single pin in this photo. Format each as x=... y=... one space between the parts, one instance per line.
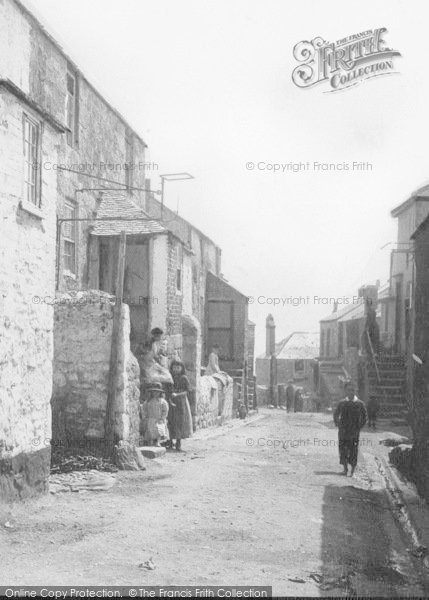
x=261 y=504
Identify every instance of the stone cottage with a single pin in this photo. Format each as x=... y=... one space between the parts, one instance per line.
x=30 y=131
x=74 y=176
x=397 y=312
x=293 y=360
x=27 y=274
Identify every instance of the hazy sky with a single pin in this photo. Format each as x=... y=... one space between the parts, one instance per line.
x=207 y=83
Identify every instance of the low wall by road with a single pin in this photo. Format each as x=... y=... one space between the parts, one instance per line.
x=214 y=402
x=82 y=343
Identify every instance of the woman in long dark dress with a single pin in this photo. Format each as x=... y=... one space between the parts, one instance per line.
x=179 y=416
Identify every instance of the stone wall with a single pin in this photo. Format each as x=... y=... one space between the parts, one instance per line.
x=214 y=403
x=174 y=295
x=191 y=356
x=82 y=343
x=27 y=267
x=332 y=350
x=418 y=374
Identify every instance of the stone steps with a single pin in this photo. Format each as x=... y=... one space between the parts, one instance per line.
x=389 y=390
x=387 y=384
x=381 y=390
x=387 y=375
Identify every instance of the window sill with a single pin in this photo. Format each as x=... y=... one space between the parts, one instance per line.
x=31 y=208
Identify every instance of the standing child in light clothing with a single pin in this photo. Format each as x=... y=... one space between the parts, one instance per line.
x=154 y=414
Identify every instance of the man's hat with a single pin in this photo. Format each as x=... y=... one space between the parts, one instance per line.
x=155 y=387
x=157 y=331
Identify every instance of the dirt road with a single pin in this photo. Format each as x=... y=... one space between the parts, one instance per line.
x=255 y=504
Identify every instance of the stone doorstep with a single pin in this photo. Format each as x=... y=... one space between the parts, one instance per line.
x=152 y=451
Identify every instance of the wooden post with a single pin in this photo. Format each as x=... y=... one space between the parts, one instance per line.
x=245 y=389
x=273 y=380
x=113 y=369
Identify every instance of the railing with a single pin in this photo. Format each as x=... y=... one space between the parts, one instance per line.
x=373 y=356
x=377 y=372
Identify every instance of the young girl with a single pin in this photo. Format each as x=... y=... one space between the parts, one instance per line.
x=154 y=414
x=179 y=416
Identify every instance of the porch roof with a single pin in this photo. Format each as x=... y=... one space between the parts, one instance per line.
x=130 y=218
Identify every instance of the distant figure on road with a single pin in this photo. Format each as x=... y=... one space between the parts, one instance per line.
x=298 y=401
x=372 y=408
x=290 y=396
x=349 y=416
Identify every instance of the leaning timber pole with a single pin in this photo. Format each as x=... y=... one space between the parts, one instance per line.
x=112 y=390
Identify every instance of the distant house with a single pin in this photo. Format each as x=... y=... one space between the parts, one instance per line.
x=343 y=328
x=295 y=359
x=341 y=336
x=397 y=311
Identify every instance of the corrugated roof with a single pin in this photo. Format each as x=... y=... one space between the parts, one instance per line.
x=134 y=221
x=300 y=345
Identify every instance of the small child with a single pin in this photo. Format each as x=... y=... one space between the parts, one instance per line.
x=372 y=409
x=154 y=414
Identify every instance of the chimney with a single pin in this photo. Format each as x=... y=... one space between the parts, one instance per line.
x=369 y=293
x=270 y=345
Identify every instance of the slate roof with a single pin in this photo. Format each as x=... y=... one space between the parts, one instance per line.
x=357 y=312
x=420 y=228
x=351 y=312
x=225 y=283
x=298 y=345
x=420 y=194
x=134 y=220
x=335 y=316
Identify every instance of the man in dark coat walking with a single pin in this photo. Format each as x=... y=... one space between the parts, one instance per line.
x=349 y=416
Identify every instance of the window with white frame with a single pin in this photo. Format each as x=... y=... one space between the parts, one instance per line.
x=70 y=237
x=31 y=140
x=71 y=107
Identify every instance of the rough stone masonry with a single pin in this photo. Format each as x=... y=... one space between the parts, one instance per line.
x=82 y=343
